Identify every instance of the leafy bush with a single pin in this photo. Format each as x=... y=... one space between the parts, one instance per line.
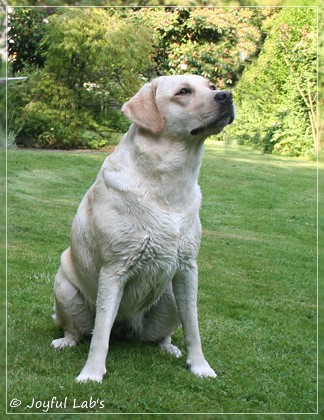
x=89 y=71
x=212 y=42
x=26 y=30
x=52 y=120
x=276 y=96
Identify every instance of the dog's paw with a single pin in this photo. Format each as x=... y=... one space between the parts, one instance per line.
x=94 y=375
x=171 y=349
x=202 y=369
x=60 y=343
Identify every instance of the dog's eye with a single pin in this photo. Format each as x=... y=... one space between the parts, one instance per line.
x=212 y=87
x=184 y=91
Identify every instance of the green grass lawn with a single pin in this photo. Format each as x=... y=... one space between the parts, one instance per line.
x=257 y=292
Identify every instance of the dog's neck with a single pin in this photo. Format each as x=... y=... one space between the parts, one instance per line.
x=160 y=155
x=169 y=168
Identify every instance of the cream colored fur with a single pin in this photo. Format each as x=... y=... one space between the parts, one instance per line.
x=131 y=266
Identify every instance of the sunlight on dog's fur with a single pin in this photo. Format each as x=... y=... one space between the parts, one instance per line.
x=131 y=267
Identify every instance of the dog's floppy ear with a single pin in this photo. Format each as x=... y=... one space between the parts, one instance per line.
x=143 y=111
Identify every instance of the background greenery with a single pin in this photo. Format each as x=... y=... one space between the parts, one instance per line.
x=257 y=298
x=83 y=63
x=278 y=113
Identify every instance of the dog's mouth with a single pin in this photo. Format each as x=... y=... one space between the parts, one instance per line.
x=216 y=126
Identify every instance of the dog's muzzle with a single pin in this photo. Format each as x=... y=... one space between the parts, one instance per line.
x=224 y=100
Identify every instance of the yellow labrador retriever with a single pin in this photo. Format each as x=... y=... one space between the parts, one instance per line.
x=131 y=267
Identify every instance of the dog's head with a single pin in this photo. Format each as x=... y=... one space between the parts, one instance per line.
x=181 y=106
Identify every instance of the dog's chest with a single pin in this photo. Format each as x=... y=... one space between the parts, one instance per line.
x=158 y=245
x=152 y=265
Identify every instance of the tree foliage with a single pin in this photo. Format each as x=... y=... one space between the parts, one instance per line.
x=89 y=69
x=276 y=95
x=84 y=62
x=90 y=60
x=213 y=42
x=25 y=34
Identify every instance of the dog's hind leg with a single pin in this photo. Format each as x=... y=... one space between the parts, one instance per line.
x=166 y=345
x=72 y=312
x=161 y=321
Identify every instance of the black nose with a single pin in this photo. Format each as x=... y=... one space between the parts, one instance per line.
x=223 y=96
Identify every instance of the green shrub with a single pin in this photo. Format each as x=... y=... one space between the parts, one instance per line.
x=275 y=97
x=26 y=28
x=89 y=71
x=213 y=42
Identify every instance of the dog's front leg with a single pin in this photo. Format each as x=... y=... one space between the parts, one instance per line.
x=185 y=287
x=110 y=291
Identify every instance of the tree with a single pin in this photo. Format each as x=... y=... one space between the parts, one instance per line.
x=297 y=47
x=213 y=42
x=89 y=46
x=25 y=34
x=89 y=69
x=276 y=96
